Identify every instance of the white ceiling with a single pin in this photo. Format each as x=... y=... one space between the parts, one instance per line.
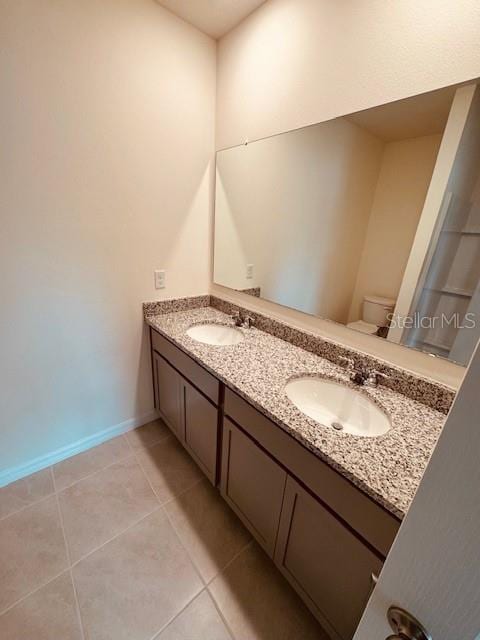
x=213 y=17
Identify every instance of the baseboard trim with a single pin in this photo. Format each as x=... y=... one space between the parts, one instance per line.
x=37 y=464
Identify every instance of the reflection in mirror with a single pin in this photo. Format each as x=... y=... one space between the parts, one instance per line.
x=371 y=220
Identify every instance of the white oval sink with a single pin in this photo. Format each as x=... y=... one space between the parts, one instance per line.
x=217 y=334
x=335 y=405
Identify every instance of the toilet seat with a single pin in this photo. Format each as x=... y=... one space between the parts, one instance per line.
x=363 y=327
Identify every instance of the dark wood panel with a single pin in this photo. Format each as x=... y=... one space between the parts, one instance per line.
x=369 y=519
x=201 y=430
x=169 y=389
x=326 y=564
x=252 y=484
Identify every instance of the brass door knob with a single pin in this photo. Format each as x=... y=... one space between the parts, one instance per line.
x=405 y=626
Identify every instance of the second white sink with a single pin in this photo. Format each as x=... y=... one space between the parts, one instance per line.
x=215 y=334
x=337 y=406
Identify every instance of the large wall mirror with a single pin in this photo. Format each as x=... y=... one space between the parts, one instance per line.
x=371 y=220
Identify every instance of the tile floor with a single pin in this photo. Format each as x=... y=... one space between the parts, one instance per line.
x=128 y=541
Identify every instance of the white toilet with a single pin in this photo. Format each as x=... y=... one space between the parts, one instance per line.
x=375 y=314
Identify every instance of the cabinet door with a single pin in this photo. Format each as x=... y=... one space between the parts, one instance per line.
x=156 y=399
x=169 y=386
x=327 y=564
x=252 y=484
x=201 y=429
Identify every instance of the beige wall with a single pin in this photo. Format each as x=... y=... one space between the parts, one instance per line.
x=296 y=62
x=296 y=206
x=405 y=173
x=107 y=130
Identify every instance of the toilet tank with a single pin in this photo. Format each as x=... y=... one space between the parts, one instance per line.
x=376 y=310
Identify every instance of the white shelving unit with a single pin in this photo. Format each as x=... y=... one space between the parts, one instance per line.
x=451 y=280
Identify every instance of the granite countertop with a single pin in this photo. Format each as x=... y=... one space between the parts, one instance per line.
x=388 y=468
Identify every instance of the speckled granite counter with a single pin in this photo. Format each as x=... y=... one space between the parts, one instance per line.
x=388 y=467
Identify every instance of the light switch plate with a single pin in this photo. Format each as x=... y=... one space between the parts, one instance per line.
x=249 y=274
x=159 y=279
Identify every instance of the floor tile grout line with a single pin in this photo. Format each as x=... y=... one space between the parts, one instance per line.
x=77 y=604
x=55 y=491
x=33 y=591
x=52 y=474
x=164 y=502
x=51 y=495
x=121 y=459
x=207 y=583
x=133 y=456
x=220 y=613
x=32 y=504
x=210 y=582
x=230 y=562
x=62 y=526
x=158 y=508
x=144 y=447
x=173 y=618
x=57 y=501
x=197 y=569
x=130 y=526
x=146 y=477
x=69 y=560
x=94 y=473
x=184 y=491
x=132 y=452
x=175 y=499
x=202 y=580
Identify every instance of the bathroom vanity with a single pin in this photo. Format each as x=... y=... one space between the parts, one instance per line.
x=324 y=505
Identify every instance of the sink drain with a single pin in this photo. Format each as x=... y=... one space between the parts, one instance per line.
x=337 y=426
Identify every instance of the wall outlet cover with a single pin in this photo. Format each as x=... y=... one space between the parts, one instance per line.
x=159 y=279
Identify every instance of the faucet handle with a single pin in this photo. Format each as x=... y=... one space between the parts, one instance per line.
x=349 y=362
x=237 y=318
x=248 y=322
x=356 y=374
x=373 y=377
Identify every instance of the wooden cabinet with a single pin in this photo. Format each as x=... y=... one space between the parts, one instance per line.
x=169 y=395
x=364 y=515
x=327 y=564
x=328 y=540
x=190 y=412
x=201 y=430
x=253 y=484
x=190 y=370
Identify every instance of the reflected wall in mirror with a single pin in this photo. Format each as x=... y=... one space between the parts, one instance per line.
x=371 y=220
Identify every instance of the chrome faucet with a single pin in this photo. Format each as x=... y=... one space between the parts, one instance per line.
x=362 y=376
x=244 y=321
x=373 y=376
x=358 y=376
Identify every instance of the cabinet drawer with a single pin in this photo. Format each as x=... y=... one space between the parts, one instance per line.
x=364 y=515
x=324 y=561
x=201 y=430
x=253 y=485
x=200 y=378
